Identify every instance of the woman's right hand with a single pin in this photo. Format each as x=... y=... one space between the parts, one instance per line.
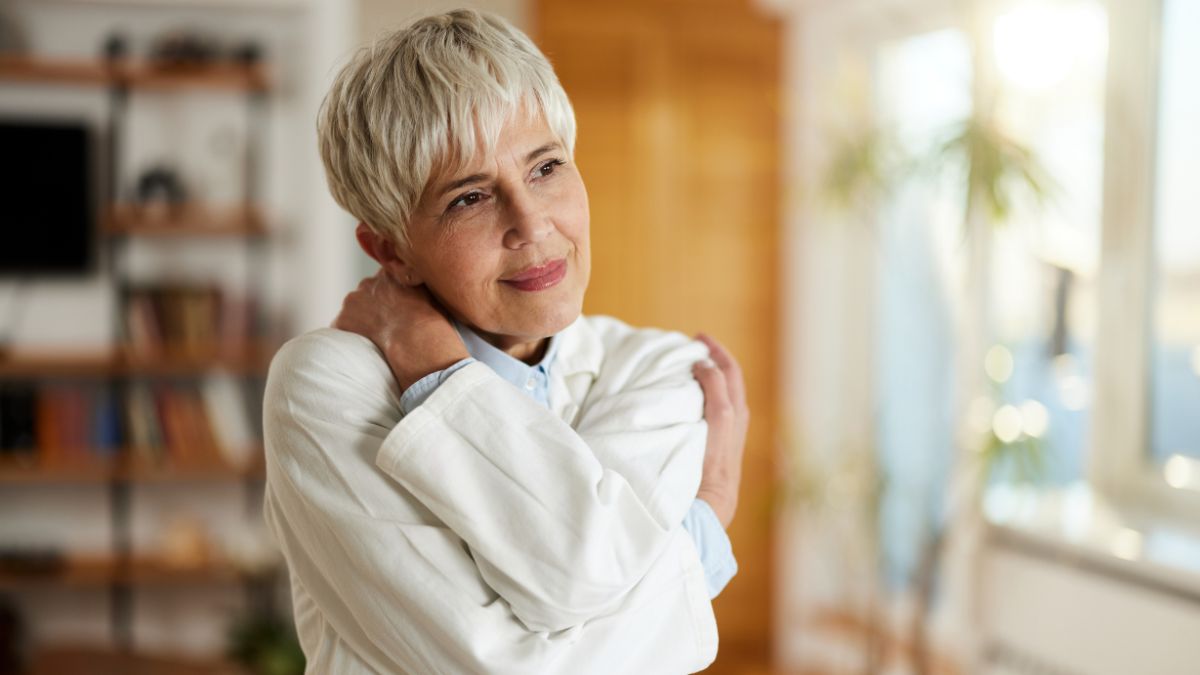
x=728 y=420
x=405 y=323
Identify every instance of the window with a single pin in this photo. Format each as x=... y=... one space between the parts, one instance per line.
x=1144 y=432
x=1094 y=304
x=923 y=88
x=1175 y=348
x=1050 y=59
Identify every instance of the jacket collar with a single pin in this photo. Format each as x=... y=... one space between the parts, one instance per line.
x=580 y=349
x=575 y=349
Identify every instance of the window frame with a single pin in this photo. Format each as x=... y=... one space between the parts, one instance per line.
x=1120 y=466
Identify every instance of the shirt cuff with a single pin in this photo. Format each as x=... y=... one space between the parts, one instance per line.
x=712 y=543
x=420 y=390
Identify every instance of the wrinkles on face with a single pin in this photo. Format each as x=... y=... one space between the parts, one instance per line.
x=524 y=205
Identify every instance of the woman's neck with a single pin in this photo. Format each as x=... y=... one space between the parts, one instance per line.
x=527 y=351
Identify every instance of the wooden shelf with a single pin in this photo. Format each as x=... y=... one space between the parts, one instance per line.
x=172 y=362
x=101 y=570
x=16 y=68
x=187 y=220
x=162 y=573
x=250 y=360
x=120 y=469
x=60 y=660
x=29 y=364
x=132 y=74
x=176 y=473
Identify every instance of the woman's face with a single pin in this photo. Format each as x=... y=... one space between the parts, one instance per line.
x=503 y=243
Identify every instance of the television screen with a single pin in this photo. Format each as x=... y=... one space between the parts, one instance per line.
x=46 y=208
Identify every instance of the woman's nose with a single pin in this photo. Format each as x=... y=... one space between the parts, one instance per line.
x=527 y=221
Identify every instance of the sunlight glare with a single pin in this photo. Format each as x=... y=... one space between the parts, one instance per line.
x=1036 y=45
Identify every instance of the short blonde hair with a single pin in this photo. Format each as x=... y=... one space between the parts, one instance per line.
x=422 y=99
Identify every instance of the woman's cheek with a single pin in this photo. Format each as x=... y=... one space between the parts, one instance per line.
x=473 y=268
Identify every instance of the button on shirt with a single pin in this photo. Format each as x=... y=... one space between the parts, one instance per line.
x=712 y=542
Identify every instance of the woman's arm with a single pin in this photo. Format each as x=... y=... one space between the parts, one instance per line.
x=705 y=525
x=562 y=523
x=395 y=583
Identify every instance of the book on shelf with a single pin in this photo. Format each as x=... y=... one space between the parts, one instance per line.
x=69 y=422
x=174 y=436
x=18 y=403
x=64 y=424
x=145 y=437
x=105 y=422
x=183 y=319
x=226 y=405
x=185 y=425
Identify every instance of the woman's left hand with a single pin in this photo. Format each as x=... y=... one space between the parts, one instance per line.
x=728 y=419
x=407 y=325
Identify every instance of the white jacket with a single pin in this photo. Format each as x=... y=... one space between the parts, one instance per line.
x=483 y=533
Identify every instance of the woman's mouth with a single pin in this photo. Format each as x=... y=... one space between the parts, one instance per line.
x=539 y=277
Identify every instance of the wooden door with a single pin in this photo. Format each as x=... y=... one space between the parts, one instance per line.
x=679 y=136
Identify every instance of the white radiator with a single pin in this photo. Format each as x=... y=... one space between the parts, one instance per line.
x=1052 y=615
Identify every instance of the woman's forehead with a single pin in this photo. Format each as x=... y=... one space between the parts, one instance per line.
x=523 y=136
x=477 y=138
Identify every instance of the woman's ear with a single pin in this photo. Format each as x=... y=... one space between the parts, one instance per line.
x=386 y=252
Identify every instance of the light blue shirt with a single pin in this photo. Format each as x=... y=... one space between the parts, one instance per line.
x=716 y=552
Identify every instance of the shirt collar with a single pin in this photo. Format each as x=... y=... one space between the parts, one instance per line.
x=576 y=349
x=512 y=369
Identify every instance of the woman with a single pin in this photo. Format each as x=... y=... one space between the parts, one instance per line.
x=464 y=474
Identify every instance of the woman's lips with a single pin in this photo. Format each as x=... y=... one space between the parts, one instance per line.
x=540 y=277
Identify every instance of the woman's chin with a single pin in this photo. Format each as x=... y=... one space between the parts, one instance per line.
x=535 y=324
x=566 y=319
x=547 y=315
x=549 y=322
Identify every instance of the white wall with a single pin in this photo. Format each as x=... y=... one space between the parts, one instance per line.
x=381 y=16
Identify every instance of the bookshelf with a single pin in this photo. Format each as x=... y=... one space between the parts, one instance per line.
x=98 y=571
x=251 y=358
x=151 y=413
x=97 y=662
x=132 y=74
x=189 y=220
x=122 y=469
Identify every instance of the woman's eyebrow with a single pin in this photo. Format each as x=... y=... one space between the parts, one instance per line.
x=477 y=177
x=466 y=180
x=542 y=150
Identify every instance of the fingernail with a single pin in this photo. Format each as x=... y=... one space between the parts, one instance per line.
x=706 y=363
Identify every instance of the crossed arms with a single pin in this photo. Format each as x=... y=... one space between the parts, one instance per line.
x=481 y=532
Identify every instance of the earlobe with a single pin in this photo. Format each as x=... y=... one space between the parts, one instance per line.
x=384 y=251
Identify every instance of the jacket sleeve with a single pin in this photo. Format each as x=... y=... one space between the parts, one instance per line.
x=391 y=578
x=562 y=521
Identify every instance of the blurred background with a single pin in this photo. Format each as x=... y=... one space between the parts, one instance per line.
x=954 y=243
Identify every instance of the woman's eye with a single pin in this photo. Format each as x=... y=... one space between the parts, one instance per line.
x=549 y=167
x=469 y=199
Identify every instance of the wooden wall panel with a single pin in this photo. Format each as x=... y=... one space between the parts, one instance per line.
x=679 y=137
